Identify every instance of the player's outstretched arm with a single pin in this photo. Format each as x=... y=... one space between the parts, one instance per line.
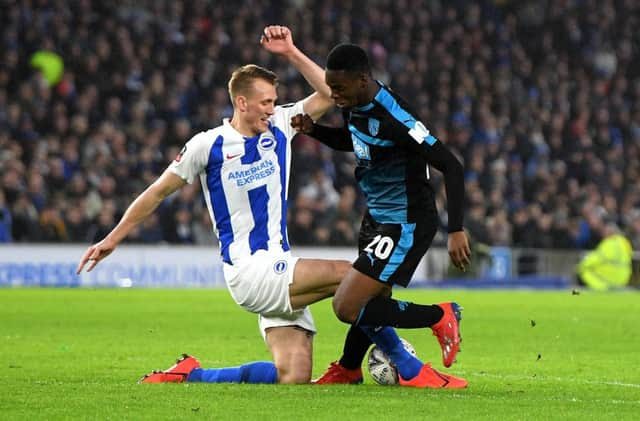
x=278 y=40
x=137 y=212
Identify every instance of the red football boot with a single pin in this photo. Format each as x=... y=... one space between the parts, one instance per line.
x=447 y=330
x=177 y=373
x=431 y=378
x=337 y=374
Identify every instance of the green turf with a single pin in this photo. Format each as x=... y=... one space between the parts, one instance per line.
x=78 y=353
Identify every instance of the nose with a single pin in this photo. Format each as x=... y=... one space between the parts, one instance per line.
x=271 y=109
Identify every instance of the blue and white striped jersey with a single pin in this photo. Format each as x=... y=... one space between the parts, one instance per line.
x=245 y=182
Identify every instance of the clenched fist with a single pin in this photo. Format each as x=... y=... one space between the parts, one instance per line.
x=302 y=123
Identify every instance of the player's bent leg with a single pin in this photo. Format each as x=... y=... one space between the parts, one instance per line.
x=292 y=350
x=354 y=292
x=348 y=369
x=315 y=280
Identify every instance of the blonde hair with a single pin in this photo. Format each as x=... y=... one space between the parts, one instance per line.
x=242 y=79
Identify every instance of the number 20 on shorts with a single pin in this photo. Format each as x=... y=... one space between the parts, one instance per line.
x=380 y=246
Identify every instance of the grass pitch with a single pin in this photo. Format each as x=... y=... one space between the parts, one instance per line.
x=77 y=354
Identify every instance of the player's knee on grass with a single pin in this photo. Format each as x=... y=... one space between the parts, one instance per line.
x=294 y=371
x=292 y=349
x=294 y=365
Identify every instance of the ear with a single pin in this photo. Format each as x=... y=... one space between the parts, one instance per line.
x=241 y=103
x=363 y=80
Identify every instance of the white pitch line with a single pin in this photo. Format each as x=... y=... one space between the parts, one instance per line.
x=557 y=379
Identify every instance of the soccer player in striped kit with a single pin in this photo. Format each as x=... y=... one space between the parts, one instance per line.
x=243 y=167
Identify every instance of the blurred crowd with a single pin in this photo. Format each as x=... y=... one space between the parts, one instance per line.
x=539 y=99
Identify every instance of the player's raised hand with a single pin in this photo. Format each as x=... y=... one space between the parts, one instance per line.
x=459 y=250
x=302 y=123
x=277 y=39
x=94 y=254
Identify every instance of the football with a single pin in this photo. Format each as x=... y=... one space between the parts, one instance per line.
x=381 y=368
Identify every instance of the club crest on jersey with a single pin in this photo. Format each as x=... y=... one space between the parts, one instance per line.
x=374 y=126
x=280 y=267
x=266 y=143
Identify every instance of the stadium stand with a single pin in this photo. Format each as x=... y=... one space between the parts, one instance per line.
x=541 y=100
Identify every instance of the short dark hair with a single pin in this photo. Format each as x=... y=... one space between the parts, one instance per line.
x=348 y=57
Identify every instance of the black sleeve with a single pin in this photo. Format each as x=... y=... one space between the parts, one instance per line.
x=338 y=138
x=441 y=158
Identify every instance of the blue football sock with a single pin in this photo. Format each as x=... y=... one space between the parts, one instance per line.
x=255 y=372
x=388 y=341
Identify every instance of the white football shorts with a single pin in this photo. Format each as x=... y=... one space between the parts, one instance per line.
x=260 y=284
